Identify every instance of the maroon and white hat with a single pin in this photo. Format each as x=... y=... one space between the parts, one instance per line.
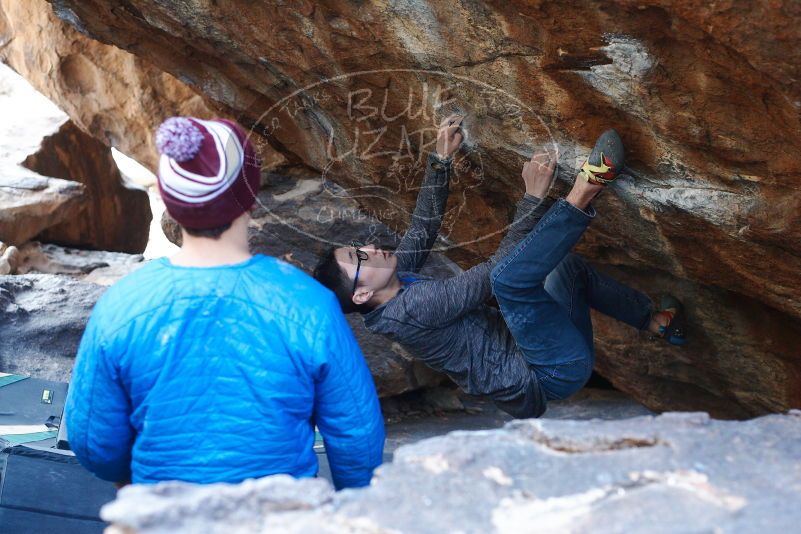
x=209 y=173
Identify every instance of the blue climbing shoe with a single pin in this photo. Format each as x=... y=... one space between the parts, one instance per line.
x=674 y=332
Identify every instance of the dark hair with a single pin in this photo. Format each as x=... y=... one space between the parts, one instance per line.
x=211 y=233
x=329 y=273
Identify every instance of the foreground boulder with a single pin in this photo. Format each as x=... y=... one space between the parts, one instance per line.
x=678 y=472
x=710 y=118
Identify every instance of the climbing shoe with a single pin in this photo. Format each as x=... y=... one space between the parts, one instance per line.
x=606 y=159
x=673 y=312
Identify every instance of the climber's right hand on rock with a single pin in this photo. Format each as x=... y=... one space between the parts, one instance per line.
x=449 y=136
x=538 y=172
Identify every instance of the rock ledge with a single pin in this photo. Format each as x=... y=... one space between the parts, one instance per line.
x=676 y=472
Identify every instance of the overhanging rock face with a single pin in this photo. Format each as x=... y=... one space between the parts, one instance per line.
x=114 y=96
x=672 y=473
x=705 y=98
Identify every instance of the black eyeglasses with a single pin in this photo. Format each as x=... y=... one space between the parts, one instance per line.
x=360 y=257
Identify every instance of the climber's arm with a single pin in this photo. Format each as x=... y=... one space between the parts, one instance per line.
x=416 y=244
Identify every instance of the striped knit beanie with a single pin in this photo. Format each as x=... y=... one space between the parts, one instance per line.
x=208 y=173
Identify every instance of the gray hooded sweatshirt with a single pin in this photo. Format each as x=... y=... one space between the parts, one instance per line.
x=447 y=323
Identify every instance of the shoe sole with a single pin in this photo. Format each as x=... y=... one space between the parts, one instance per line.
x=606 y=159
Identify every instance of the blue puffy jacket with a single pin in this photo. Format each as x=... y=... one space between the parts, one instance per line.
x=220 y=374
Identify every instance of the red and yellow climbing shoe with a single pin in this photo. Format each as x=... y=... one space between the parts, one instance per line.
x=606 y=159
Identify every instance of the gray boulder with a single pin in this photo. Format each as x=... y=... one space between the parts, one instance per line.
x=44 y=309
x=42 y=318
x=677 y=472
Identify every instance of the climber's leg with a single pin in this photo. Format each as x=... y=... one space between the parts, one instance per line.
x=557 y=349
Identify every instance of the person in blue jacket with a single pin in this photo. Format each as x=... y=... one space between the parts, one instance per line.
x=215 y=365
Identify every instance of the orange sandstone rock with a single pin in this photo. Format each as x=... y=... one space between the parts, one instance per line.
x=705 y=96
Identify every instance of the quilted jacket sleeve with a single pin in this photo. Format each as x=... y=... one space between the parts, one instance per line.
x=98 y=409
x=347 y=411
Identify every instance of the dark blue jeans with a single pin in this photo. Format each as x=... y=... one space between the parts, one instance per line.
x=545 y=294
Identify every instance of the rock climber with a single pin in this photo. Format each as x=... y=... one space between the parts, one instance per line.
x=539 y=345
x=215 y=365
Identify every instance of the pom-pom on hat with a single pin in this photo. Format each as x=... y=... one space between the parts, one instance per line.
x=208 y=172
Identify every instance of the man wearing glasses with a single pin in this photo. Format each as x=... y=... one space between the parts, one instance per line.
x=538 y=346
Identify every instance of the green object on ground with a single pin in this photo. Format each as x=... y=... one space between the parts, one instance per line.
x=16 y=439
x=10 y=379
